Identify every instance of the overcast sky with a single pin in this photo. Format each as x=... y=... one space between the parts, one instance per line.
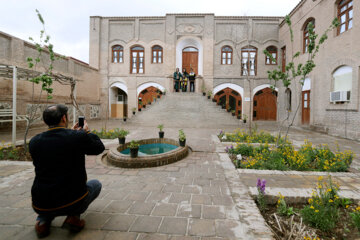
x=67 y=21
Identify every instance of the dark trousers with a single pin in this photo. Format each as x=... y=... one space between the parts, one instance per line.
x=94 y=188
x=192 y=86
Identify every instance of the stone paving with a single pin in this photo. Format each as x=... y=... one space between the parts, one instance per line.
x=202 y=197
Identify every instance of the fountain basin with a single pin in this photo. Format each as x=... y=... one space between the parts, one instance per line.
x=116 y=158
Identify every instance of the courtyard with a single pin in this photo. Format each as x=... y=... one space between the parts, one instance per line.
x=202 y=197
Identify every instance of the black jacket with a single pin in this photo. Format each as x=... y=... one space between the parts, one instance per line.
x=59 y=159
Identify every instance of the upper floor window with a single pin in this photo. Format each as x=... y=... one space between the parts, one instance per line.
x=345 y=15
x=306 y=33
x=117 y=54
x=137 y=60
x=157 y=54
x=248 y=61
x=283 y=59
x=226 y=55
x=273 y=52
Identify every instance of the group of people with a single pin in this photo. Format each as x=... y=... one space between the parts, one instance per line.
x=181 y=80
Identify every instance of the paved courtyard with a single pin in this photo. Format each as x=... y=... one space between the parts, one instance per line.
x=202 y=197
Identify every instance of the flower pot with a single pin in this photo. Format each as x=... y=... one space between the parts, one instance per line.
x=161 y=134
x=134 y=152
x=133 y=113
x=228 y=110
x=223 y=107
x=121 y=140
x=238 y=117
x=144 y=106
x=208 y=97
x=244 y=121
x=124 y=119
x=204 y=94
x=149 y=103
x=182 y=143
x=233 y=114
x=139 y=109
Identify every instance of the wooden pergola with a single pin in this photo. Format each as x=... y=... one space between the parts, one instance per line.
x=18 y=73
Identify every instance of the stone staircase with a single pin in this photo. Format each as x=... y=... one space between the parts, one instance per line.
x=186 y=110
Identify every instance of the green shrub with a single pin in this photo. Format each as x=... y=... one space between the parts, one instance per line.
x=355 y=216
x=282 y=207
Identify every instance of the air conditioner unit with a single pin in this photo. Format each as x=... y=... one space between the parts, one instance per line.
x=340 y=96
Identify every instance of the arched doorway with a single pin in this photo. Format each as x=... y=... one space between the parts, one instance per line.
x=229 y=98
x=118 y=99
x=264 y=106
x=148 y=95
x=190 y=57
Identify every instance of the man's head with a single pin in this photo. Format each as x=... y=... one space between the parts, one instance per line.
x=56 y=115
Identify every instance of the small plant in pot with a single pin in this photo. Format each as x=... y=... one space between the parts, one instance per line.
x=140 y=104
x=149 y=102
x=161 y=132
x=203 y=89
x=223 y=106
x=209 y=93
x=134 y=111
x=229 y=109
x=233 y=112
x=244 y=118
x=122 y=133
x=134 y=148
x=182 y=138
x=239 y=116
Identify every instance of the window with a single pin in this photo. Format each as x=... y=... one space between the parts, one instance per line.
x=137 y=60
x=157 y=54
x=226 y=55
x=343 y=79
x=345 y=15
x=248 y=61
x=306 y=33
x=273 y=52
x=283 y=59
x=117 y=54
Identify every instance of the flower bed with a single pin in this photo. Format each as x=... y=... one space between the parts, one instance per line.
x=285 y=157
x=324 y=216
x=242 y=136
x=14 y=153
x=108 y=134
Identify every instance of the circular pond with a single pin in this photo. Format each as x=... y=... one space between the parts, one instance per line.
x=152 y=153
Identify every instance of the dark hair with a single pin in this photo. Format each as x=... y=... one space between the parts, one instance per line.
x=53 y=114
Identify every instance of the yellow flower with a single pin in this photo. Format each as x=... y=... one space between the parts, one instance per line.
x=316 y=211
x=346 y=206
x=329 y=190
x=312 y=207
x=310 y=200
x=331 y=201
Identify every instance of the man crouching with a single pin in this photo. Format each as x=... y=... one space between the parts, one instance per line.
x=60 y=186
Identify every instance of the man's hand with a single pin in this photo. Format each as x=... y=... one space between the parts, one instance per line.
x=85 y=128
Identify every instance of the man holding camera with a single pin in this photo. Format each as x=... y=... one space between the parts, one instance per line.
x=60 y=186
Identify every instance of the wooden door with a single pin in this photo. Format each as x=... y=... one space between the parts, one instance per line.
x=230 y=98
x=265 y=105
x=305 y=114
x=190 y=60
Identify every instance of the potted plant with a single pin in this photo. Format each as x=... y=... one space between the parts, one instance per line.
x=233 y=112
x=209 y=94
x=214 y=100
x=124 y=118
x=140 y=103
x=229 y=109
x=158 y=96
x=144 y=106
x=203 y=89
x=244 y=118
x=121 y=134
x=149 y=102
x=182 y=138
x=239 y=116
x=134 y=148
x=161 y=132
x=223 y=106
x=134 y=111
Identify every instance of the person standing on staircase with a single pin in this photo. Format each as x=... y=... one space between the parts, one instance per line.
x=185 y=80
x=192 y=76
x=177 y=76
